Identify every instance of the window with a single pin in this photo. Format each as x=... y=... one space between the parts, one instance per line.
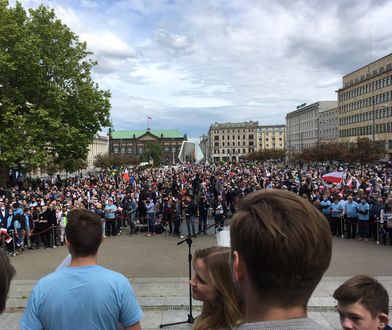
x=216 y=138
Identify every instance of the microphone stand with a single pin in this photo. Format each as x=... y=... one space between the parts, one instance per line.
x=188 y=240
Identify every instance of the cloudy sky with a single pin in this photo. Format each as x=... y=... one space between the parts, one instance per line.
x=188 y=64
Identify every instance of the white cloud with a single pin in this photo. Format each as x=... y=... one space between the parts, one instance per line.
x=108 y=44
x=191 y=63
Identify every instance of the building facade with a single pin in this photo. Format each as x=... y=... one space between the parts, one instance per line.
x=328 y=125
x=365 y=104
x=232 y=141
x=205 y=147
x=302 y=125
x=100 y=145
x=271 y=137
x=133 y=143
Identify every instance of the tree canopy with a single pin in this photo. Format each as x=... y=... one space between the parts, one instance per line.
x=267 y=154
x=363 y=151
x=50 y=108
x=152 y=151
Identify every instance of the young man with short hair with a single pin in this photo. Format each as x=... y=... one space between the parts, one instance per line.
x=83 y=295
x=281 y=247
x=362 y=304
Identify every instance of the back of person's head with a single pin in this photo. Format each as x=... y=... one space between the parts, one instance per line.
x=285 y=244
x=366 y=291
x=226 y=311
x=84 y=232
x=7 y=272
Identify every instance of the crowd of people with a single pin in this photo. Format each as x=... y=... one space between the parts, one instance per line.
x=33 y=212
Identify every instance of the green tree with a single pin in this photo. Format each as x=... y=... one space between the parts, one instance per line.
x=267 y=154
x=152 y=151
x=363 y=151
x=107 y=161
x=50 y=106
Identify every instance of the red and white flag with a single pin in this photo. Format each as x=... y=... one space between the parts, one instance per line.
x=3 y=230
x=8 y=240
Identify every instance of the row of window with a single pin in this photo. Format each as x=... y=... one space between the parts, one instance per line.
x=139 y=150
x=302 y=135
x=273 y=139
x=238 y=131
x=273 y=146
x=370 y=87
x=303 y=125
x=250 y=137
x=251 y=143
x=379 y=113
x=272 y=131
x=233 y=151
x=366 y=130
x=366 y=102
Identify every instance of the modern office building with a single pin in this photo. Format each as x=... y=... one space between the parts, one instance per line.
x=133 y=143
x=271 y=137
x=365 y=104
x=232 y=141
x=302 y=125
x=328 y=125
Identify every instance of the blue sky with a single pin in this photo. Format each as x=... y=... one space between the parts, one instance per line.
x=188 y=64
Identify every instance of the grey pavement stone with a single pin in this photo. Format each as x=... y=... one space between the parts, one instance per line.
x=9 y=321
x=320 y=319
x=333 y=319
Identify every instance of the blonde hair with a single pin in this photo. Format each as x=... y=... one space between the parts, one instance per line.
x=226 y=311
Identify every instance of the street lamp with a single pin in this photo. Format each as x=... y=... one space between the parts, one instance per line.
x=173 y=160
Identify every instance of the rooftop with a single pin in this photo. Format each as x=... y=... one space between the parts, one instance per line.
x=130 y=134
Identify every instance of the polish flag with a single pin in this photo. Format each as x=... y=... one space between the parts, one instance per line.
x=8 y=240
x=3 y=231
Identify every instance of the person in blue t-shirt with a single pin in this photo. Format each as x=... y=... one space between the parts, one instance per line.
x=363 y=219
x=351 y=211
x=336 y=214
x=110 y=218
x=83 y=295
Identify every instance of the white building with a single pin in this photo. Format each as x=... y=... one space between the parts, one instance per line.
x=232 y=141
x=205 y=147
x=302 y=125
x=100 y=145
x=328 y=125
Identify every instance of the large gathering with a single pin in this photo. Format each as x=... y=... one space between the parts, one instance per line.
x=356 y=202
